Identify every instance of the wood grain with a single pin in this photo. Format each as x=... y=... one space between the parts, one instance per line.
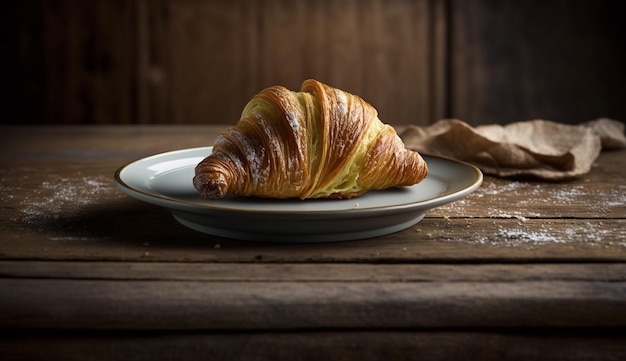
x=377 y=50
x=192 y=305
x=199 y=62
x=219 y=55
x=60 y=199
x=312 y=272
x=315 y=345
x=518 y=269
x=201 y=51
x=74 y=63
x=515 y=61
x=417 y=61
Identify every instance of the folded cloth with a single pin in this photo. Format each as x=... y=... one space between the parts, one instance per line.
x=535 y=148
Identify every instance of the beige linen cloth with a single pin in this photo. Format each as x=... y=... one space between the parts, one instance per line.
x=535 y=148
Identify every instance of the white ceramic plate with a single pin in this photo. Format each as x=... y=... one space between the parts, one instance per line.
x=166 y=180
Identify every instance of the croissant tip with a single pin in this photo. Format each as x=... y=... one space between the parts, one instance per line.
x=210 y=186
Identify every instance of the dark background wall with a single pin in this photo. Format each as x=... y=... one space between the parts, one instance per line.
x=199 y=61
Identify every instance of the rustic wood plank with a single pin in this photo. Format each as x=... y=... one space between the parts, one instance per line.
x=203 y=49
x=593 y=190
x=399 y=79
x=69 y=143
x=180 y=305
x=60 y=202
x=101 y=232
x=485 y=275
x=316 y=345
x=515 y=61
x=206 y=59
x=75 y=62
x=303 y=272
x=199 y=61
x=80 y=215
x=377 y=50
x=440 y=59
x=594 y=195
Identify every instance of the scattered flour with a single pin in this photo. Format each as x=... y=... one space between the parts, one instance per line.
x=535 y=202
x=65 y=196
x=527 y=236
x=591 y=234
x=58 y=203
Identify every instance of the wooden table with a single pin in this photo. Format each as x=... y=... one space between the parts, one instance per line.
x=516 y=270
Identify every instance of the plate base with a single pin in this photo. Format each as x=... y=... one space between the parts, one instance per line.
x=166 y=180
x=302 y=237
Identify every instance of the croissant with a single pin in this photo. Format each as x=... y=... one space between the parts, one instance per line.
x=321 y=142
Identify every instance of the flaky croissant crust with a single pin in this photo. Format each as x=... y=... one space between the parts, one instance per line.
x=320 y=142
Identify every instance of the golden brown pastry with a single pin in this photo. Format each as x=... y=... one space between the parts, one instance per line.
x=320 y=142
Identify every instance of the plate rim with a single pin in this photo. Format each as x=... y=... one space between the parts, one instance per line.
x=176 y=203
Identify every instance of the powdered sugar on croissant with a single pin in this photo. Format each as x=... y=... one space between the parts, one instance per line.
x=320 y=142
